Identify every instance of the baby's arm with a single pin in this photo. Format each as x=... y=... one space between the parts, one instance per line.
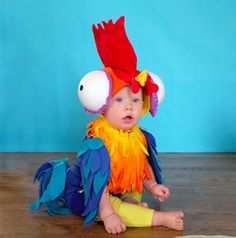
x=112 y=221
x=156 y=190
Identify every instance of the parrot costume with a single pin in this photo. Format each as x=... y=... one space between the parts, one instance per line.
x=109 y=158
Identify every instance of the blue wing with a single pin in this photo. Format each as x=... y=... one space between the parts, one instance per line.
x=152 y=158
x=52 y=178
x=94 y=162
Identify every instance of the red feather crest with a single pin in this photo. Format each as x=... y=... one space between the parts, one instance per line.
x=114 y=47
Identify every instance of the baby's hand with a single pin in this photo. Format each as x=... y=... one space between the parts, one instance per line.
x=114 y=224
x=159 y=191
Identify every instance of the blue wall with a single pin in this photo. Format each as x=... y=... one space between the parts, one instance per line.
x=46 y=46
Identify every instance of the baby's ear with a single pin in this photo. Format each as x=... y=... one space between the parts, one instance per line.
x=161 y=92
x=94 y=91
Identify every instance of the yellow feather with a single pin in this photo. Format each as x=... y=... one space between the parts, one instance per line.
x=128 y=151
x=142 y=77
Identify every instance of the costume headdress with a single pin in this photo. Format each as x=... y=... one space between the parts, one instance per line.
x=118 y=56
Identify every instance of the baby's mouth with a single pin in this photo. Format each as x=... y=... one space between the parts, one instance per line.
x=127 y=119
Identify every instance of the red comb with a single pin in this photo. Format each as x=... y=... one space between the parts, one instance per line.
x=114 y=47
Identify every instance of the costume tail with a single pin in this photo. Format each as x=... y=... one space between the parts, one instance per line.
x=76 y=189
x=52 y=179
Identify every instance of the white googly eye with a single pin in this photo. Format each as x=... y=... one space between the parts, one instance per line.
x=161 y=92
x=94 y=91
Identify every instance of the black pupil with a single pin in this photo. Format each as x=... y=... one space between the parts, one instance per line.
x=81 y=87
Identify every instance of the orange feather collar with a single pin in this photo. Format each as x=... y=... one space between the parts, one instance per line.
x=128 y=155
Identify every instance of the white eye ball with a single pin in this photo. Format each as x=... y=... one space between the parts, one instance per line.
x=158 y=81
x=94 y=91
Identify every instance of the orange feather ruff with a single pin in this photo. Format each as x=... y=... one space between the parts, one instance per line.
x=128 y=155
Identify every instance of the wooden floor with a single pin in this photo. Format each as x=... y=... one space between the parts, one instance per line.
x=203 y=185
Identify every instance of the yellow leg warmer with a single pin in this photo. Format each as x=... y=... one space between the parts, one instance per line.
x=132 y=215
x=137 y=196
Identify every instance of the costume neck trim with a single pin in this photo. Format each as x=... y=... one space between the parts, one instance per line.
x=128 y=155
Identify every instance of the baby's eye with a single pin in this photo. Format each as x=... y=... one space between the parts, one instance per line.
x=118 y=99
x=136 y=100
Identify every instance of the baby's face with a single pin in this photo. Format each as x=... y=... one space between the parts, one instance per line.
x=125 y=109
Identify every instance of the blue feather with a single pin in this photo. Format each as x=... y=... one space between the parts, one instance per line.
x=86 y=187
x=87 y=166
x=44 y=180
x=92 y=202
x=99 y=182
x=90 y=144
x=152 y=158
x=90 y=218
x=104 y=160
x=97 y=164
x=85 y=157
x=52 y=177
x=43 y=169
x=94 y=162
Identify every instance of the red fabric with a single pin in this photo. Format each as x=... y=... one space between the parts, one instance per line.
x=150 y=87
x=114 y=47
x=117 y=53
x=135 y=86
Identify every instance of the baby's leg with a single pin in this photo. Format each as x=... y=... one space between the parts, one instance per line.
x=132 y=214
x=134 y=201
x=134 y=198
x=137 y=216
x=113 y=223
x=172 y=220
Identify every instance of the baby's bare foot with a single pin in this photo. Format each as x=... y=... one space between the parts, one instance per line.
x=173 y=220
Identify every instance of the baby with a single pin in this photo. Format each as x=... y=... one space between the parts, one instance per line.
x=123 y=113
x=117 y=159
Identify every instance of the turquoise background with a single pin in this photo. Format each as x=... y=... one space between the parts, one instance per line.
x=47 y=46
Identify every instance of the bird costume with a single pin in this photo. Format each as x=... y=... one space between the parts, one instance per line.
x=109 y=158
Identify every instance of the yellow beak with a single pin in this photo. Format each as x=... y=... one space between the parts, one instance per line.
x=142 y=77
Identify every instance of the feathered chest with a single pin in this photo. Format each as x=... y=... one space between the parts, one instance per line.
x=128 y=155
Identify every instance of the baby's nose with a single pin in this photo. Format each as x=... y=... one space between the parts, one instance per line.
x=129 y=105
